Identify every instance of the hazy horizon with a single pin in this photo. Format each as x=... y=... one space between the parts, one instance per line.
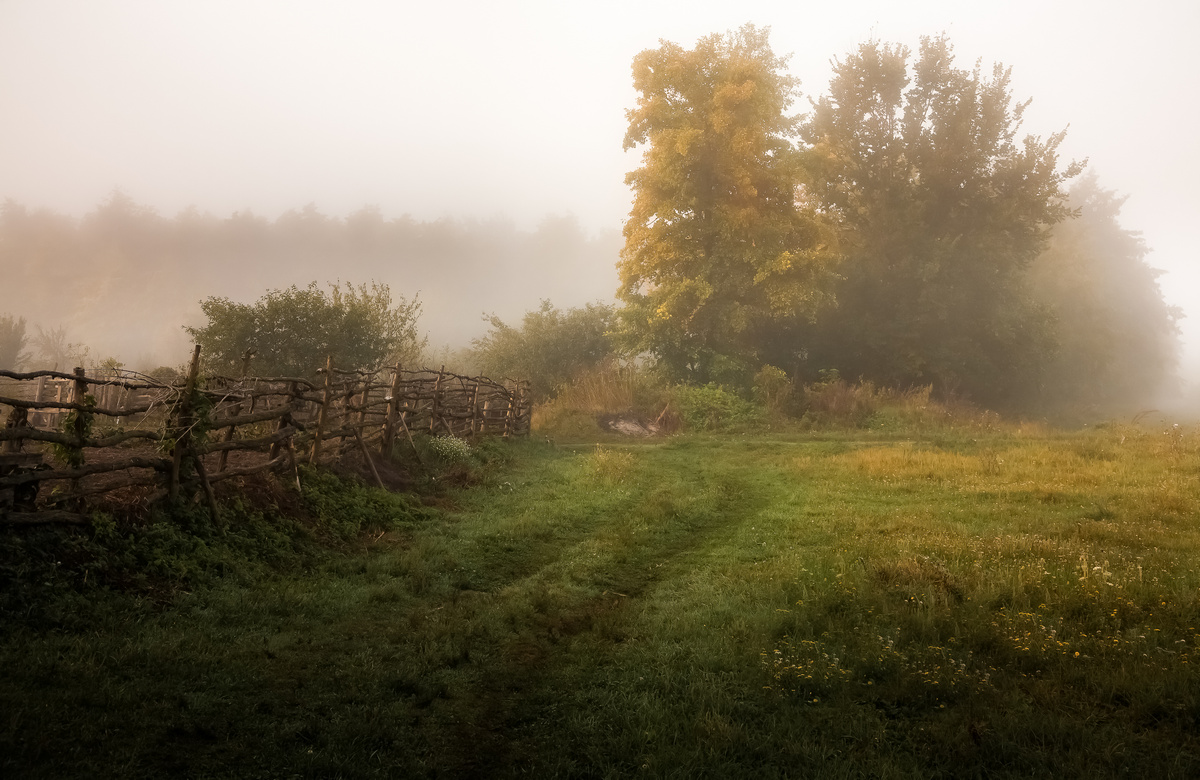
x=516 y=113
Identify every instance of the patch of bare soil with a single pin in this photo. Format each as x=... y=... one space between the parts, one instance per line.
x=632 y=425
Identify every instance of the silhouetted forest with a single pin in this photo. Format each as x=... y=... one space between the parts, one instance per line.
x=124 y=280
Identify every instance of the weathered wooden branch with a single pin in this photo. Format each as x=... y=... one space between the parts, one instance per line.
x=96 y=381
x=248 y=419
x=67 y=440
x=45 y=475
x=129 y=480
x=249 y=470
x=45 y=517
x=72 y=406
x=246 y=444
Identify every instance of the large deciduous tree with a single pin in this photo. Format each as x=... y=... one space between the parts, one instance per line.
x=292 y=331
x=717 y=251
x=943 y=208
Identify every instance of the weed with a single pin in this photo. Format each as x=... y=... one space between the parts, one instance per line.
x=450 y=449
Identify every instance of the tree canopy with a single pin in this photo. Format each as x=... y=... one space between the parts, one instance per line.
x=716 y=248
x=293 y=330
x=942 y=209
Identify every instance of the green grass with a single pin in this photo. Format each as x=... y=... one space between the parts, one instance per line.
x=986 y=601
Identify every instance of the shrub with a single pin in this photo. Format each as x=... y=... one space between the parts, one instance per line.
x=292 y=331
x=549 y=348
x=772 y=388
x=713 y=408
x=833 y=400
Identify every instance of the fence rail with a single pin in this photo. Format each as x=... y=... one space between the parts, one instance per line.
x=92 y=433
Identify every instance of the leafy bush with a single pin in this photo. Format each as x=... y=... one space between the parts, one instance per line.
x=772 y=388
x=713 y=408
x=292 y=331
x=549 y=348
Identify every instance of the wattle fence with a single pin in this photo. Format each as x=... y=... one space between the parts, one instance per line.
x=85 y=434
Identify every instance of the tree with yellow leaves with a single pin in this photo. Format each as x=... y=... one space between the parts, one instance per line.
x=720 y=249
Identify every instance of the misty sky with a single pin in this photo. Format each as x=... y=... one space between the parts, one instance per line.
x=478 y=109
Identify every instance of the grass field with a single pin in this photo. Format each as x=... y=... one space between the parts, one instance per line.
x=982 y=601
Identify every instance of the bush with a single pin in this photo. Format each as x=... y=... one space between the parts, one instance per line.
x=772 y=388
x=292 y=331
x=550 y=348
x=713 y=408
x=835 y=401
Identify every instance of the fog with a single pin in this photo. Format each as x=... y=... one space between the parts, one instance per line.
x=501 y=115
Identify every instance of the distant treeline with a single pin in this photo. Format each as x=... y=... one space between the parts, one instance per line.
x=124 y=279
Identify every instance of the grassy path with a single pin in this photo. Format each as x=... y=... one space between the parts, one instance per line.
x=961 y=606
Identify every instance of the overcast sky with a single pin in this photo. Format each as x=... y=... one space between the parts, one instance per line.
x=478 y=109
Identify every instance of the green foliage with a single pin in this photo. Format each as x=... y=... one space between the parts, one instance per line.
x=550 y=347
x=58 y=577
x=13 y=341
x=942 y=209
x=293 y=330
x=344 y=509
x=717 y=252
x=713 y=408
x=773 y=388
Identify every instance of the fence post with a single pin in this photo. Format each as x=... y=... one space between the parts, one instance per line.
x=37 y=418
x=183 y=427
x=237 y=409
x=347 y=400
x=389 y=427
x=510 y=400
x=284 y=421
x=17 y=418
x=321 y=414
x=475 y=426
x=524 y=408
x=434 y=406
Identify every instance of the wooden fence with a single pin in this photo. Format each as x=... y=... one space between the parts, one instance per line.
x=85 y=434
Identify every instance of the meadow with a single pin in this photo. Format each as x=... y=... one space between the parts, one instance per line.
x=984 y=599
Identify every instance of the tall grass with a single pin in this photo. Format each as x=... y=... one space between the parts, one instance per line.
x=613 y=389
